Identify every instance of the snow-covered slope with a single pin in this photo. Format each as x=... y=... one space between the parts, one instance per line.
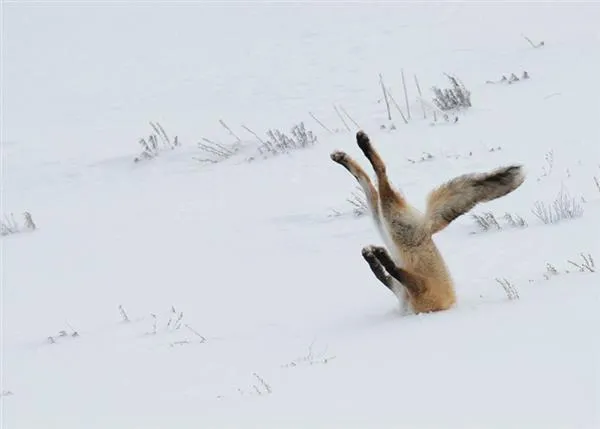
x=247 y=299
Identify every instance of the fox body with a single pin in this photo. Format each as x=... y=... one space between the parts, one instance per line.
x=414 y=269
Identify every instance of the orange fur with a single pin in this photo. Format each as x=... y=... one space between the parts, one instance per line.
x=415 y=271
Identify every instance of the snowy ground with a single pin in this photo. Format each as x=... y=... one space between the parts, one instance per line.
x=265 y=314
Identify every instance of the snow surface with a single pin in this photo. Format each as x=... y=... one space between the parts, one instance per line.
x=272 y=286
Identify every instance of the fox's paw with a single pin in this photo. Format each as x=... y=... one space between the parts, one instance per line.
x=364 y=143
x=380 y=252
x=339 y=157
x=367 y=253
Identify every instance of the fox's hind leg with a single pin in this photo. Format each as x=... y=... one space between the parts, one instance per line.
x=364 y=181
x=388 y=195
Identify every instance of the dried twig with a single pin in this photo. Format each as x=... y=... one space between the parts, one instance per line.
x=341 y=117
x=349 y=117
x=320 y=123
x=533 y=45
x=196 y=333
x=264 y=384
x=587 y=264
x=421 y=97
x=123 y=314
x=385 y=97
x=397 y=106
x=159 y=130
x=253 y=133
x=405 y=94
x=154 y=324
x=229 y=129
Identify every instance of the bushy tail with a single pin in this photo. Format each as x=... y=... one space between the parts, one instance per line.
x=459 y=195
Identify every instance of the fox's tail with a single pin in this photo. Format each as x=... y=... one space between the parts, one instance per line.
x=459 y=195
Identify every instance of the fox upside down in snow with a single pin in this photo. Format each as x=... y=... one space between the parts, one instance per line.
x=423 y=282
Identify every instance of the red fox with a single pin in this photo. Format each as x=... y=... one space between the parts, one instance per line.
x=423 y=282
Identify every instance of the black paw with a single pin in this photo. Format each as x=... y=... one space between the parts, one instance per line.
x=339 y=157
x=364 y=143
x=380 y=252
x=368 y=254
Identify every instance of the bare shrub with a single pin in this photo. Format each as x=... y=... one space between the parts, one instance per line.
x=587 y=264
x=29 y=223
x=486 y=221
x=454 y=98
x=549 y=158
x=173 y=326
x=550 y=271
x=544 y=212
x=276 y=143
x=201 y=338
x=124 y=315
x=358 y=205
x=174 y=321
x=265 y=387
x=53 y=339
x=279 y=143
x=513 y=78
x=563 y=207
x=515 y=221
x=358 y=201
x=426 y=156
x=156 y=142
x=258 y=388
x=311 y=358
x=9 y=225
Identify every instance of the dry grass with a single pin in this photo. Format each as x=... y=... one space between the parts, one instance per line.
x=487 y=221
x=563 y=207
x=10 y=225
x=511 y=291
x=156 y=142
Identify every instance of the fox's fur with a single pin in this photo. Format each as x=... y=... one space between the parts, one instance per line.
x=415 y=271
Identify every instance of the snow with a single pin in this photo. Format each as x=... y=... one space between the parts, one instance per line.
x=271 y=285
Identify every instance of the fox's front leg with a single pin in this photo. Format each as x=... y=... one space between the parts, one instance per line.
x=364 y=181
x=412 y=282
x=377 y=268
x=388 y=281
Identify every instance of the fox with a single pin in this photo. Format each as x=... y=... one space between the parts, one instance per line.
x=414 y=269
